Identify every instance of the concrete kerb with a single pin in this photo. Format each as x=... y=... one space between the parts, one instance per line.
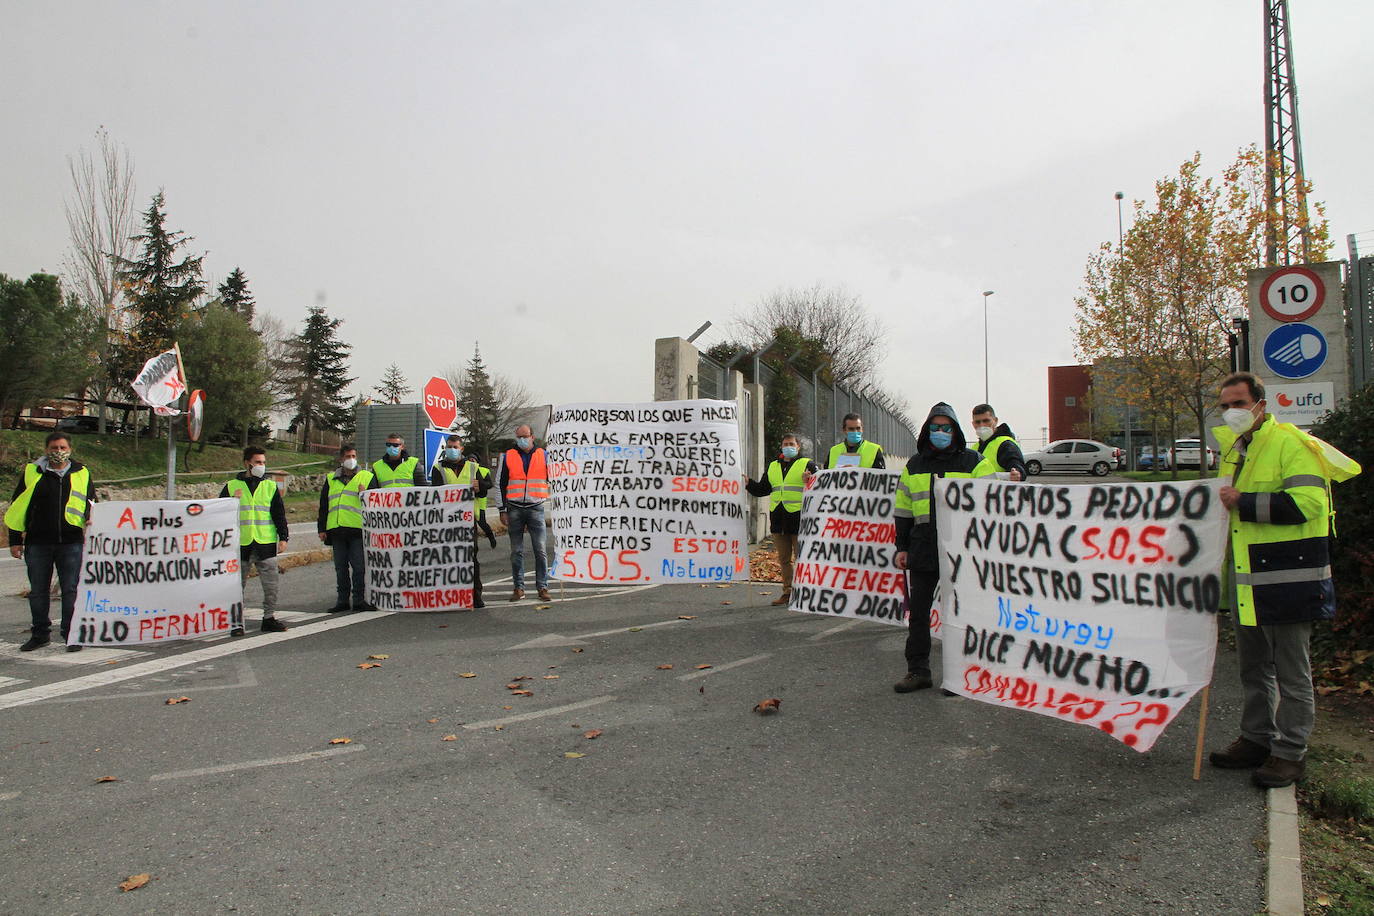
x=1283 y=883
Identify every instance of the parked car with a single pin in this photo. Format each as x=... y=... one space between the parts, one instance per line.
x=1187 y=453
x=1096 y=458
x=1147 y=462
x=78 y=424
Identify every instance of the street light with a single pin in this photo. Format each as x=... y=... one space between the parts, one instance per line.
x=986 y=293
x=1120 y=256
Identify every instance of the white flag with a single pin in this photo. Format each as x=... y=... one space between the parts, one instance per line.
x=160 y=384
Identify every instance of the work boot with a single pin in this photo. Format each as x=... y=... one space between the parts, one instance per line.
x=516 y=595
x=544 y=595
x=913 y=681
x=236 y=632
x=75 y=647
x=784 y=599
x=340 y=608
x=1277 y=772
x=35 y=642
x=1241 y=754
x=273 y=625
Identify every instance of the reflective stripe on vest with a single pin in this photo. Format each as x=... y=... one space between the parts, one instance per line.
x=787 y=492
x=989 y=452
x=523 y=486
x=913 y=490
x=16 y=516
x=345 y=500
x=255 y=512
x=479 y=505
x=868 y=453
x=402 y=476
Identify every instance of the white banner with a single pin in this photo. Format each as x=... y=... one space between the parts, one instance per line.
x=419 y=548
x=1092 y=604
x=846 y=547
x=159 y=382
x=647 y=492
x=157 y=570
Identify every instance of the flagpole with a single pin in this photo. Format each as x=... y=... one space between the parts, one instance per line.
x=171 y=434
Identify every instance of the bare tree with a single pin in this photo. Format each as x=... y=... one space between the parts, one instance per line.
x=855 y=340
x=101 y=220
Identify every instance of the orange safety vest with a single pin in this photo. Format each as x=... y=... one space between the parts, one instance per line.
x=526 y=486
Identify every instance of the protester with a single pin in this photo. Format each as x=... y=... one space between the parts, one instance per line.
x=854 y=450
x=524 y=487
x=47 y=521
x=340 y=524
x=940 y=452
x=263 y=532
x=997 y=443
x=479 y=508
x=397 y=467
x=1279 y=575
x=783 y=482
x=455 y=468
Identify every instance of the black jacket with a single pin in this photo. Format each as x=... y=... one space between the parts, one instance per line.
x=46 y=520
x=780 y=521
x=919 y=540
x=1008 y=455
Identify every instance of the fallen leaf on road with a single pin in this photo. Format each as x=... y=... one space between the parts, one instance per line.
x=724 y=603
x=499 y=727
x=665 y=667
x=340 y=740
x=594 y=733
x=468 y=674
x=522 y=693
x=1327 y=691
x=703 y=667
x=636 y=629
x=551 y=677
x=577 y=650
x=431 y=721
x=686 y=616
x=449 y=738
x=573 y=755
x=134 y=882
x=366 y=665
x=523 y=677
x=723 y=586
x=379 y=656
x=443 y=626
x=507 y=707
x=765 y=707
x=172 y=701
x=513 y=686
x=108 y=779
x=113 y=661
x=542 y=607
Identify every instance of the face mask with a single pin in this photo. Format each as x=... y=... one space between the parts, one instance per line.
x=350 y=464
x=941 y=439
x=523 y=443
x=854 y=436
x=258 y=470
x=393 y=451
x=985 y=433
x=1239 y=419
x=452 y=454
x=789 y=452
x=58 y=456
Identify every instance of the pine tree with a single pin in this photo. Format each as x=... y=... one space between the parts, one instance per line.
x=393 y=386
x=316 y=374
x=160 y=289
x=481 y=413
x=233 y=292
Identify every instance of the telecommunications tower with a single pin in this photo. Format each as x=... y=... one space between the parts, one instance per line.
x=1285 y=181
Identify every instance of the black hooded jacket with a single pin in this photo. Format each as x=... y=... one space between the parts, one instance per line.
x=1008 y=455
x=919 y=540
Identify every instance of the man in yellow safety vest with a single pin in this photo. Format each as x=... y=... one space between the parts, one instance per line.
x=854 y=451
x=47 y=528
x=996 y=442
x=340 y=525
x=783 y=482
x=456 y=468
x=396 y=467
x=262 y=533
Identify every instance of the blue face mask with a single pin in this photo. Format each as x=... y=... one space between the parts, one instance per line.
x=854 y=436
x=393 y=451
x=941 y=439
x=523 y=443
x=789 y=452
x=452 y=454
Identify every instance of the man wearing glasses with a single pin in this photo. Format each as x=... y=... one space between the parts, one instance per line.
x=940 y=452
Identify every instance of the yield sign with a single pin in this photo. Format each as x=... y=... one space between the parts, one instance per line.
x=440 y=405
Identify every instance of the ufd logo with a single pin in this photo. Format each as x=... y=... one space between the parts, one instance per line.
x=440 y=404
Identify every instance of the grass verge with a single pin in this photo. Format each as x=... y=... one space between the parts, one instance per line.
x=1336 y=800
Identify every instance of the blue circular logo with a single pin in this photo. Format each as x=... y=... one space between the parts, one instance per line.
x=1294 y=350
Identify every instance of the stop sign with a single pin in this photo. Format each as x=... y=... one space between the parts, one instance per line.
x=440 y=405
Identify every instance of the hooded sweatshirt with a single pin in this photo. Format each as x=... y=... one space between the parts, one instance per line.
x=919 y=540
x=1008 y=453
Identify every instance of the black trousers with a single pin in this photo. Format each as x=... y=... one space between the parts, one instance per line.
x=920 y=587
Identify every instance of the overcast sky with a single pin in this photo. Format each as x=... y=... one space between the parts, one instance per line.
x=565 y=182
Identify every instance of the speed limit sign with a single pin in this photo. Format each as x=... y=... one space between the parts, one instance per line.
x=1292 y=294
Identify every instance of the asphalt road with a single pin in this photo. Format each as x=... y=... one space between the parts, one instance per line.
x=852 y=799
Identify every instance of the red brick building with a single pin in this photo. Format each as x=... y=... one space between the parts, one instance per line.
x=1069 y=386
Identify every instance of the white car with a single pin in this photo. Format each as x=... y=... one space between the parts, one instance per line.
x=1096 y=458
x=1187 y=453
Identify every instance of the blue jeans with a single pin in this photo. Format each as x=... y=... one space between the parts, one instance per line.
x=531 y=519
x=348 y=565
x=41 y=560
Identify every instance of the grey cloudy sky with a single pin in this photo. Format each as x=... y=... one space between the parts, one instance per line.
x=566 y=181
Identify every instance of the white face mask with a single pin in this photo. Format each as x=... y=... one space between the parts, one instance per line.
x=350 y=464
x=985 y=433
x=258 y=470
x=1239 y=419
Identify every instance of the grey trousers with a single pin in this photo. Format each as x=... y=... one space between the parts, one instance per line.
x=1279 y=705
x=267 y=575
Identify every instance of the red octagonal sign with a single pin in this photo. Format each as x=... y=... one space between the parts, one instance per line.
x=440 y=405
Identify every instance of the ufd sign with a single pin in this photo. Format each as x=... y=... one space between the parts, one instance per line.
x=440 y=404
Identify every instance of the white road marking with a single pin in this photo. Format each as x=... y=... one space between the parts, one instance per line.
x=13 y=681
x=247 y=678
x=55 y=653
x=538 y=713
x=847 y=625
x=159 y=665
x=253 y=764
x=556 y=639
x=725 y=667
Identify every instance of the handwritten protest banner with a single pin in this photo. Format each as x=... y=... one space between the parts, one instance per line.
x=1091 y=604
x=647 y=492
x=419 y=548
x=845 y=547
x=156 y=570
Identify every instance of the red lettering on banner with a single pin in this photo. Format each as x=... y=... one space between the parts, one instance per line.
x=438 y=598
x=384 y=539
x=127 y=518
x=860 y=532
x=704 y=485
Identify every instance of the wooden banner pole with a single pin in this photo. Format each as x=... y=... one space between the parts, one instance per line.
x=1201 y=732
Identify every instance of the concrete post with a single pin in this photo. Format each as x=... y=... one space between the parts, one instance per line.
x=675 y=369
